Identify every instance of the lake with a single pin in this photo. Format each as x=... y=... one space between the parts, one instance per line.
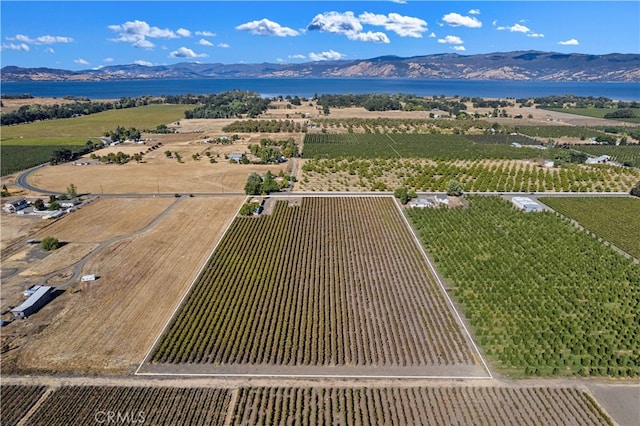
x=307 y=87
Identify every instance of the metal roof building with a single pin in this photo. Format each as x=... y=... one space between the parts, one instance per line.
x=526 y=204
x=36 y=301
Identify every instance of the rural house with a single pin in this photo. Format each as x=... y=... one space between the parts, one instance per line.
x=15 y=206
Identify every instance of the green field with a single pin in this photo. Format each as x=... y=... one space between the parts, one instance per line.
x=27 y=145
x=542 y=296
x=559 y=131
x=434 y=146
x=594 y=112
x=613 y=219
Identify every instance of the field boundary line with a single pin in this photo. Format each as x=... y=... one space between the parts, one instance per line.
x=25 y=419
x=195 y=279
x=315 y=376
x=390 y=146
x=444 y=291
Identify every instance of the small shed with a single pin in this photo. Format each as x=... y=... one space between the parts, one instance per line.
x=235 y=157
x=526 y=204
x=37 y=300
x=597 y=160
x=419 y=203
x=90 y=277
x=15 y=206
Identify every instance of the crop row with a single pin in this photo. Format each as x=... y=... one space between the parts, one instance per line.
x=542 y=296
x=478 y=176
x=629 y=154
x=333 y=281
x=616 y=220
x=454 y=405
x=21 y=157
x=90 y=405
x=16 y=401
x=425 y=406
x=434 y=146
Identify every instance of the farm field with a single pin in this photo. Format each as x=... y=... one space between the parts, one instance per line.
x=344 y=288
x=17 y=400
x=554 y=131
x=349 y=174
x=616 y=220
x=433 y=146
x=594 y=112
x=109 y=325
x=21 y=157
x=542 y=297
x=621 y=154
x=448 y=404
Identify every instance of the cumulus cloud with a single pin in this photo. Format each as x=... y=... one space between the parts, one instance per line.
x=19 y=47
x=205 y=34
x=399 y=1
x=204 y=42
x=330 y=55
x=49 y=50
x=224 y=45
x=297 y=56
x=570 y=42
x=183 y=32
x=143 y=63
x=81 y=61
x=451 y=40
x=346 y=24
x=45 y=39
x=107 y=60
x=404 y=26
x=185 y=52
x=535 y=35
x=459 y=48
x=457 y=20
x=266 y=27
x=515 y=28
x=474 y=12
x=432 y=35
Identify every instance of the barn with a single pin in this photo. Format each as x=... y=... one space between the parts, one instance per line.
x=36 y=301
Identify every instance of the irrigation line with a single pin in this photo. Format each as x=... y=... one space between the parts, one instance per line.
x=444 y=291
x=175 y=310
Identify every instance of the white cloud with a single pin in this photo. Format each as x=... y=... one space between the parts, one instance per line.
x=183 y=32
x=457 y=20
x=185 y=52
x=298 y=56
x=399 y=1
x=570 y=42
x=49 y=50
x=376 y=37
x=404 y=26
x=81 y=61
x=459 y=48
x=474 y=12
x=224 y=45
x=335 y=22
x=495 y=22
x=45 y=39
x=205 y=33
x=515 y=28
x=432 y=35
x=330 y=55
x=266 y=27
x=451 y=40
x=204 y=42
x=20 y=47
x=143 y=63
x=535 y=35
x=144 y=43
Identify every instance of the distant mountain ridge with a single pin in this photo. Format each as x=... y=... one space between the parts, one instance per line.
x=515 y=66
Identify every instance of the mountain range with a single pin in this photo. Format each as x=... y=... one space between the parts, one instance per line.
x=517 y=66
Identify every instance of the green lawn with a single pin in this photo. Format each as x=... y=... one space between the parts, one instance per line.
x=613 y=219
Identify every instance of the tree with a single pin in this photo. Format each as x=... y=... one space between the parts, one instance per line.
x=402 y=194
x=636 y=190
x=5 y=191
x=38 y=204
x=269 y=184
x=50 y=243
x=454 y=188
x=253 y=185
x=72 y=191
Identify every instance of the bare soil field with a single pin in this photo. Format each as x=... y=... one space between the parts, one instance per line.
x=109 y=325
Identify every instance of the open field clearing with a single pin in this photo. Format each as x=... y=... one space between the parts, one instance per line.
x=343 y=288
x=108 y=325
x=429 y=405
x=594 y=112
x=616 y=220
x=349 y=174
x=543 y=297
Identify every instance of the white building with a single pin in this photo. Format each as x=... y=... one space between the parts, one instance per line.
x=598 y=160
x=526 y=204
x=419 y=203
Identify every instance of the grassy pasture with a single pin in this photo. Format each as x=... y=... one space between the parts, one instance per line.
x=614 y=219
x=593 y=112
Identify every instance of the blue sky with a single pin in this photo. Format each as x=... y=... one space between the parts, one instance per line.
x=90 y=34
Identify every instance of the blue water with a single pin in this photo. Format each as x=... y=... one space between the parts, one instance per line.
x=307 y=87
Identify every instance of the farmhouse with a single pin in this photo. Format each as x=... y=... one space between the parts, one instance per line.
x=598 y=160
x=15 y=206
x=235 y=157
x=36 y=301
x=526 y=204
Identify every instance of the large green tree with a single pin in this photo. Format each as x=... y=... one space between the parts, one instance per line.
x=454 y=188
x=253 y=185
